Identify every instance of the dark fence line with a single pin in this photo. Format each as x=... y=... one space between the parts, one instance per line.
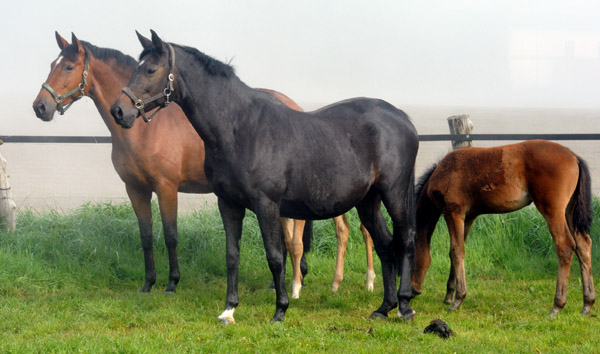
x=425 y=137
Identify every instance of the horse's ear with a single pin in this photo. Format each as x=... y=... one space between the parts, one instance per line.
x=156 y=41
x=146 y=43
x=62 y=43
x=76 y=43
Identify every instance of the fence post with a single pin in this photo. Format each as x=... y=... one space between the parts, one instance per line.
x=7 y=205
x=460 y=124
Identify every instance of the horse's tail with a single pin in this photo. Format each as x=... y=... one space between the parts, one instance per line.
x=581 y=217
x=420 y=186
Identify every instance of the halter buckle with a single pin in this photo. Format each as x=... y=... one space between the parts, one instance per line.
x=139 y=104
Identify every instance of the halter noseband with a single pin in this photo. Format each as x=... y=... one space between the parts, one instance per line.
x=140 y=104
x=59 y=99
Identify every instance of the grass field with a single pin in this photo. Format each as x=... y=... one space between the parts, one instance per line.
x=68 y=283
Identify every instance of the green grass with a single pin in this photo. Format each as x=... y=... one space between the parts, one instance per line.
x=68 y=283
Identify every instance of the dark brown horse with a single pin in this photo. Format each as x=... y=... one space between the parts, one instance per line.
x=164 y=156
x=263 y=156
x=474 y=181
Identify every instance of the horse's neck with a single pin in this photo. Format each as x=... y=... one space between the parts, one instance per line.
x=214 y=105
x=106 y=85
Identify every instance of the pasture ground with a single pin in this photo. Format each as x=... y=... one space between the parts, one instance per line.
x=69 y=281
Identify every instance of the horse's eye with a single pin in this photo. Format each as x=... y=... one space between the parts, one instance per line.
x=151 y=71
x=69 y=67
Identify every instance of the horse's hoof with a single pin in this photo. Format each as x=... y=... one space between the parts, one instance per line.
x=144 y=290
x=408 y=315
x=227 y=321
x=169 y=292
x=276 y=322
x=226 y=317
x=378 y=316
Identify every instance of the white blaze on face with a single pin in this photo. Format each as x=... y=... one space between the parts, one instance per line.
x=58 y=60
x=141 y=63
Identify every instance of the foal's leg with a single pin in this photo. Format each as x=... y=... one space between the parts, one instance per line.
x=342 y=230
x=564 y=244
x=232 y=217
x=452 y=278
x=426 y=223
x=369 y=211
x=267 y=213
x=167 y=201
x=584 y=254
x=369 y=251
x=140 y=200
x=457 y=282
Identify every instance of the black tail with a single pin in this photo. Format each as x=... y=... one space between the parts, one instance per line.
x=582 y=197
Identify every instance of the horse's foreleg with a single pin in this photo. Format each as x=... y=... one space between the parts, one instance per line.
x=342 y=230
x=232 y=222
x=456 y=228
x=167 y=201
x=267 y=213
x=140 y=200
x=584 y=254
x=369 y=250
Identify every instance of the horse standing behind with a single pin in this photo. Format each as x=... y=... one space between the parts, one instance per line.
x=164 y=156
x=474 y=181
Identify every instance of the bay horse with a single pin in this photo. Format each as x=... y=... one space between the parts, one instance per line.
x=100 y=73
x=263 y=156
x=473 y=181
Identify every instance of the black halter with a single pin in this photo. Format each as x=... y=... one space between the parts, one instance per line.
x=59 y=99
x=139 y=103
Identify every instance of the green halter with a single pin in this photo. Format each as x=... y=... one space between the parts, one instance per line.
x=60 y=98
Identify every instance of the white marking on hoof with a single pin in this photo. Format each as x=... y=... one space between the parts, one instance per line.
x=370 y=280
x=296 y=287
x=227 y=317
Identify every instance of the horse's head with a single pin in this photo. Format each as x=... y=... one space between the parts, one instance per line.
x=67 y=81
x=151 y=84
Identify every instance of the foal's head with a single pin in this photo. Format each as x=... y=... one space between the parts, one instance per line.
x=150 y=86
x=67 y=81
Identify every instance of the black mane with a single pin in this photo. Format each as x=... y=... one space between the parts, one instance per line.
x=212 y=66
x=424 y=178
x=103 y=54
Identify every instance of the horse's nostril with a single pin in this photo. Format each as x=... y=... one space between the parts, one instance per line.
x=117 y=112
x=41 y=108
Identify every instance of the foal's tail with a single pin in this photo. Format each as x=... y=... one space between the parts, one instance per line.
x=581 y=218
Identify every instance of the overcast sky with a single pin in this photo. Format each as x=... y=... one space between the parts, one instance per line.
x=535 y=53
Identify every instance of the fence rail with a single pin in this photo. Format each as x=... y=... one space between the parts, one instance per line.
x=425 y=137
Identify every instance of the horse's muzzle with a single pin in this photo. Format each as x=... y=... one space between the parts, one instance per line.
x=44 y=110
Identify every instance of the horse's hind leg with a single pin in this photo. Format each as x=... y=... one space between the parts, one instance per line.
x=369 y=250
x=140 y=200
x=293 y=230
x=267 y=213
x=369 y=211
x=342 y=230
x=167 y=201
x=584 y=254
x=565 y=245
